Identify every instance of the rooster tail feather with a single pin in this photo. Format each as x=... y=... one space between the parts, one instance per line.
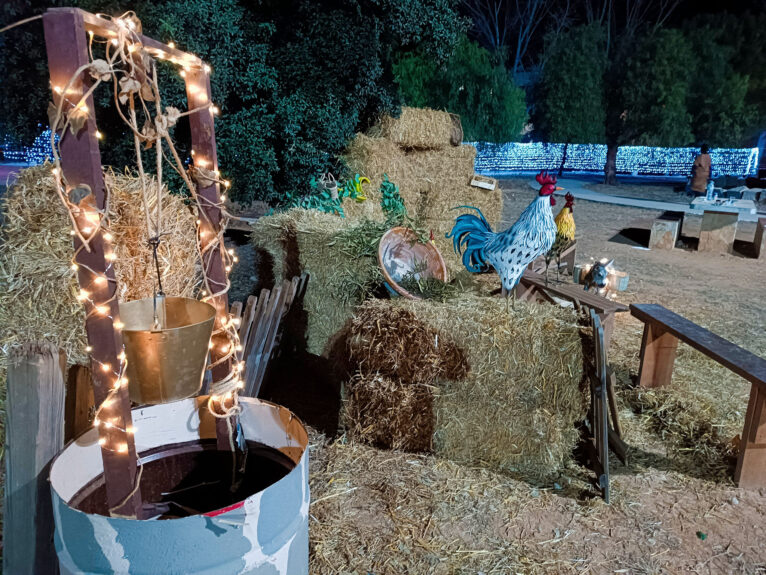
x=470 y=236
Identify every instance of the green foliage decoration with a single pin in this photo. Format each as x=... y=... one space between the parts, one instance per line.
x=491 y=107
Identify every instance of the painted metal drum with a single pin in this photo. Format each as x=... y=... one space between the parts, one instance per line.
x=265 y=534
x=166 y=360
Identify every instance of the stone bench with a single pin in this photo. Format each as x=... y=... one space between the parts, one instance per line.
x=665 y=231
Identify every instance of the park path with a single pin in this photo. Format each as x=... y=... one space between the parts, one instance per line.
x=577 y=188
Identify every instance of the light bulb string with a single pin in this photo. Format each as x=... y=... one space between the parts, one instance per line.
x=125 y=63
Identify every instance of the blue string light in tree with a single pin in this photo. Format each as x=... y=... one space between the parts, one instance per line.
x=498 y=159
x=37 y=153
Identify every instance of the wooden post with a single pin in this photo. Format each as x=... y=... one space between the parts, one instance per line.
x=80 y=403
x=658 y=355
x=751 y=464
x=205 y=155
x=34 y=434
x=66 y=44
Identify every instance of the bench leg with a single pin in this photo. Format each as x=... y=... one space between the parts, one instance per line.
x=658 y=355
x=751 y=464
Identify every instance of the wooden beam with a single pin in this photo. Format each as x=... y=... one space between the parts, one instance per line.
x=66 y=45
x=205 y=155
x=34 y=434
x=658 y=356
x=751 y=464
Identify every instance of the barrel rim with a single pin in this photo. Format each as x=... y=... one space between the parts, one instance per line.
x=251 y=402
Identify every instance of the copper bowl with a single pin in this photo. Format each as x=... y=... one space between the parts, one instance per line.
x=400 y=252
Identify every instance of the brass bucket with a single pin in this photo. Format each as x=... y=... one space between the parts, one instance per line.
x=166 y=361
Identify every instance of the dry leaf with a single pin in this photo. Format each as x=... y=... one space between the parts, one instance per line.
x=100 y=70
x=128 y=86
x=172 y=115
x=149 y=133
x=77 y=118
x=146 y=92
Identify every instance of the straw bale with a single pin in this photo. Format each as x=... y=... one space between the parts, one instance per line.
x=340 y=255
x=516 y=410
x=420 y=128
x=394 y=342
x=388 y=413
x=37 y=287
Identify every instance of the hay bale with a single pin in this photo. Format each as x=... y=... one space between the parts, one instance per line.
x=517 y=407
x=37 y=286
x=387 y=413
x=340 y=255
x=420 y=128
x=394 y=342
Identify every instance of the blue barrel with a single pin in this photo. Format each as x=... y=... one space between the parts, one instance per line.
x=265 y=534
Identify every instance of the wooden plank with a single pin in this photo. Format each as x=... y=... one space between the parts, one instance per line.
x=739 y=360
x=259 y=351
x=34 y=433
x=246 y=325
x=67 y=49
x=611 y=381
x=80 y=403
x=268 y=344
x=751 y=464
x=572 y=292
x=658 y=355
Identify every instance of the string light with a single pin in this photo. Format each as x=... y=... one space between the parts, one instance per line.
x=99 y=135
x=171 y=45
x=503 y=159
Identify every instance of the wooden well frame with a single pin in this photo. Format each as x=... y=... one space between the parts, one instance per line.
x=66 y=39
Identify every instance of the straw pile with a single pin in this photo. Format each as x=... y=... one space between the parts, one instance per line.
x=433 y=176
x=516 y=408
x=390 y=401
x=387 y=413
x=392 y=340
x=340 y=255
x=37 y=287
x=420 y=128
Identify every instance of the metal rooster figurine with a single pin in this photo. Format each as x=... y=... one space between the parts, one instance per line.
x=511 y=251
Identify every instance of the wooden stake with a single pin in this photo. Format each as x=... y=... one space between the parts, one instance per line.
x=66 y=44
x=34 y=434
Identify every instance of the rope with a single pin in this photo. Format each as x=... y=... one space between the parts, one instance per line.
x=20 y=22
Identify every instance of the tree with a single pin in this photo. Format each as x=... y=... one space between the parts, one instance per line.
x=720 y=114
x=570 y=93
x=294 y=78
x=470 y=84
x=655 y=92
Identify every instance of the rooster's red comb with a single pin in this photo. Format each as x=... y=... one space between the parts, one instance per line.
x=544 y=178
x=569 y=198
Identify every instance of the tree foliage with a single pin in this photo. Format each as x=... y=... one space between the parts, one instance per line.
x=570 y=95
x=470 y=84
x=655 y=91
x=294 y=78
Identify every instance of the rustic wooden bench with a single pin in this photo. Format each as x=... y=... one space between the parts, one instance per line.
x=662 y=331
x=534 y=283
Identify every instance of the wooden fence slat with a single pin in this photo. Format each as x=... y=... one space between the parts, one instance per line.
x=34 y=434
x=246 y=325
x=260 y=350
x=78 y=413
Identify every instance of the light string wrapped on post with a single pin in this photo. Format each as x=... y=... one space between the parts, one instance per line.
x=133 y=72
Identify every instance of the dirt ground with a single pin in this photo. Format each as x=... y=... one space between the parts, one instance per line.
x=674 y=506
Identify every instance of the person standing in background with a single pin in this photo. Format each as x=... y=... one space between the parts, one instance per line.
x=701 y=171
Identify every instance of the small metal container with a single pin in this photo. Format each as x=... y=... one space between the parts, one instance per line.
x=166 y=362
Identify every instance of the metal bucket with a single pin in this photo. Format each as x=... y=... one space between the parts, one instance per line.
x=265 y=534
x=168 y=363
